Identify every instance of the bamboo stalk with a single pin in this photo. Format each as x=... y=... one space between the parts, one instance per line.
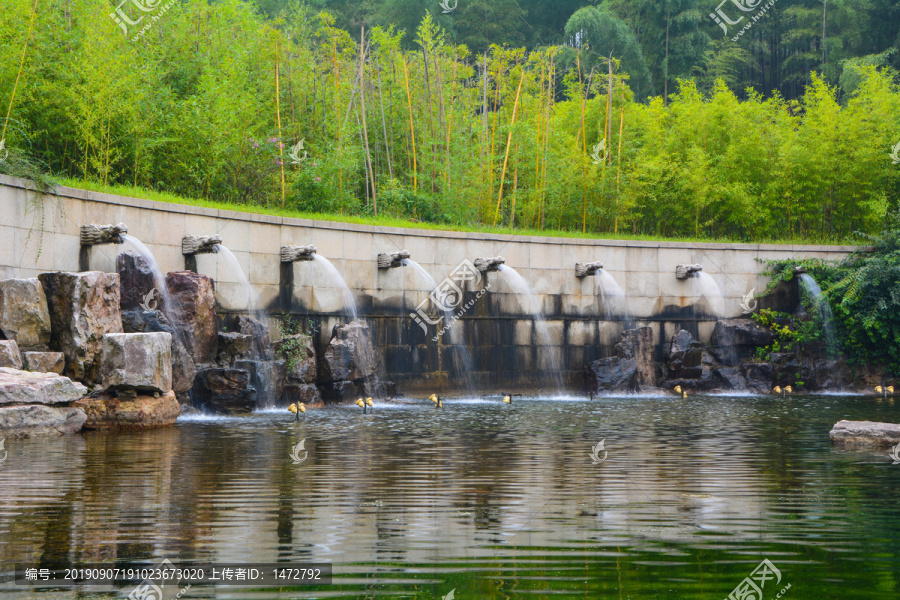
x=362 y=102
x=619 y=166
x=508 y=144
x=278 y=119
x=412 y=129
x=19 y=74
x=387 y=148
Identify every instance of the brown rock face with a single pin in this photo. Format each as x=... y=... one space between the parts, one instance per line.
x=9 y=354
x=195 y=313
x=152 y=321
x=83 y=308
x=36 y=419
x=638 y=344
x=23 y=313
x=350 y=355
x=107 y=412
x=299 y=355
x=44 y=362
x=224 y=391
x=137 y=281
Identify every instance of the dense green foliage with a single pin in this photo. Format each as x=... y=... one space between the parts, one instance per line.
x=212 y=100
x=863 y=291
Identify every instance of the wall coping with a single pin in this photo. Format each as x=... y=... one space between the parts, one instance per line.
x=157 y=205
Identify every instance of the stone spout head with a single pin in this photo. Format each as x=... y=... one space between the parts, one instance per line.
x=207 y=244
x=95 y=235
x=587 y=269
x=392 y=260
x=686 y=271
x=291 y=254
x=799 y=271
x=486 y=265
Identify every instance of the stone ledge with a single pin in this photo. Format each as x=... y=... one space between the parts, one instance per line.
x=24 y=421
x=107 y=412
x=865 y=434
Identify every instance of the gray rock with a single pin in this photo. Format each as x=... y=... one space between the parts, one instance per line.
x=83 y=308
x=137 y=282
x=9 y=354
x=758 y=376
x=685 y=357
x=301 y=392
x=259 y=334
x=637 y=344
x=299 y=355
x=350 y=355
x=786 y=367
x=232 y=346
x=195 y=313
x=24 y=387
x=734 y=339
x=188 y=410
x=24 y=316
x=865 y=434
x=137 y=361
x=153 y=321
x=731 y=379
x=223 y=390
x=267 y=377
x=613 y=374
x=45 y=362
x=23 y=421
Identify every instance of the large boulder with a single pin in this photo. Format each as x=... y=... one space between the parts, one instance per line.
x=759 y=377
x=24 y=316
x=865 y=434
x=738 y=338
x=137 y=283
x=24 y=387
x=637 y=344
x=10 y=356
x=83 y=308
x=223 y=390
x=299 y=355
x=302 y=392
x=786 y=367
x=37 y=419
x=137 y=361
x=685 y=357
x=612 y=374
x=44 y=362
x=822 y=374
x=730 y=378
x=195 y=312
x=267 y=377
x=109 y=412
x=232 y=346
x=259 y=334
x=350 y=355
x=153 y=321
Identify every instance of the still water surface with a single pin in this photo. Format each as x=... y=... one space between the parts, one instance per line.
x=490 y=501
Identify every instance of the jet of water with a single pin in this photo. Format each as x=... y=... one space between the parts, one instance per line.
x=815 y=292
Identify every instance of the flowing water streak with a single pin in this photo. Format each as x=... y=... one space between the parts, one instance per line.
x=709 y=289
x=815 y=292
x=613 y=297
x=531 y=304
x=334 y=278
x=458 y=347
x=159 y=277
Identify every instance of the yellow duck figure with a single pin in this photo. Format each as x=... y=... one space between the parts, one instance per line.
x=297 y=408
x=507 y=399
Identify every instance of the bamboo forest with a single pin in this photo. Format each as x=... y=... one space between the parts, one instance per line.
x=620 y=117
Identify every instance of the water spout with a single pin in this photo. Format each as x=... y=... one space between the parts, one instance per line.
x=95 y=235
x=486 y=265
x=687 y=271
x=392 y=260
x=587 y=269
x=814 y=292
x=207 y=244
x=292 y=254
x=334 y=278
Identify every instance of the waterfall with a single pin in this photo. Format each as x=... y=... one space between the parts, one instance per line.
x=158 y=276
x=709 y=289
x=815 y=294
x=613 y=297
x=462 y=362
x=336 y=281
x=532 y=305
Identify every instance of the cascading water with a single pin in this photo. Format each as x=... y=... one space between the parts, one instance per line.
x=710 y=290
x=613 y=297
x=336 y=281
x=248 y=294
x=815 y=292
x=159 y=278
x=463 y=365
x=532 y=305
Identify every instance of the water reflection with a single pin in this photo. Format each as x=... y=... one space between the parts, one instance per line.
x=497 y=501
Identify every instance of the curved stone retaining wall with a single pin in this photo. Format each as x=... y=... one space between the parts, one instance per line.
x=499 y=334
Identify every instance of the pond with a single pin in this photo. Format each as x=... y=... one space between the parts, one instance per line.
x=480 y=500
